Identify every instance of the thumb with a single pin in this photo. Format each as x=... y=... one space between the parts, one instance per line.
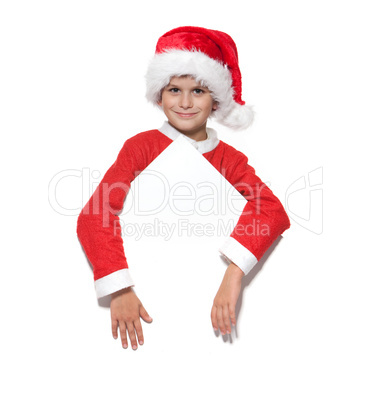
x=144 y=315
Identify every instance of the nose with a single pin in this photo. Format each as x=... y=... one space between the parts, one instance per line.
x=185 y=100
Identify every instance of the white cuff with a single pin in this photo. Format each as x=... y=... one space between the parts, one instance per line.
x=113 y=282
x=238 y=254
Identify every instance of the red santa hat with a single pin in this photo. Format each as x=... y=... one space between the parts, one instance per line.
x=211 y=58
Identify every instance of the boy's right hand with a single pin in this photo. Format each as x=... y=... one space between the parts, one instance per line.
x=126 y=311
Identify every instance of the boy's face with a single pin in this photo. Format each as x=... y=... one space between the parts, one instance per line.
x=187 y=105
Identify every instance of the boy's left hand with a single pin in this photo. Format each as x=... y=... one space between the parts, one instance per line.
x=223 y=310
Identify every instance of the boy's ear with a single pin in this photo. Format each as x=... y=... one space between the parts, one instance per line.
x=215 y=105
x=159 y=102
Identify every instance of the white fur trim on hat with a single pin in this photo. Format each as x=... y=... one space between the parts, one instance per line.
x=205 y=70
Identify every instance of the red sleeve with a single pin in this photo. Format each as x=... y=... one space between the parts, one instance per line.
x=263 y=218
x=98 y=226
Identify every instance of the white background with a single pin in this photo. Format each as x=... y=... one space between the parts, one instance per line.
x=72 y=90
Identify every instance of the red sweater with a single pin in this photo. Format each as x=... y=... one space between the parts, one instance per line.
x=99 y=222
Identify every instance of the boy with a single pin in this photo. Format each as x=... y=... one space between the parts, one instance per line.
x=194 y=75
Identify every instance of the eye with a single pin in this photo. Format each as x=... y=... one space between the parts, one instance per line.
x=174 y=90
x=198 y=91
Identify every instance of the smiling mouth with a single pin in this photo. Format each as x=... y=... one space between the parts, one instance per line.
x=185 y=115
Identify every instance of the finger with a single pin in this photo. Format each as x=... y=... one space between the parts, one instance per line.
x=226 y=319
x=232 y=315
x=138 y=329
x=114 y=325
x=214 y=321
x=124 y=339
x=219 y=316
x=144 y=315
x=132 y=336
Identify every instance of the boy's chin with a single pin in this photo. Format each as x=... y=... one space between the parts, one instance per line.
x=187 y=127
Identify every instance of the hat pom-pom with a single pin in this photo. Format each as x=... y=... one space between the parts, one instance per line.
x=239 y=117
